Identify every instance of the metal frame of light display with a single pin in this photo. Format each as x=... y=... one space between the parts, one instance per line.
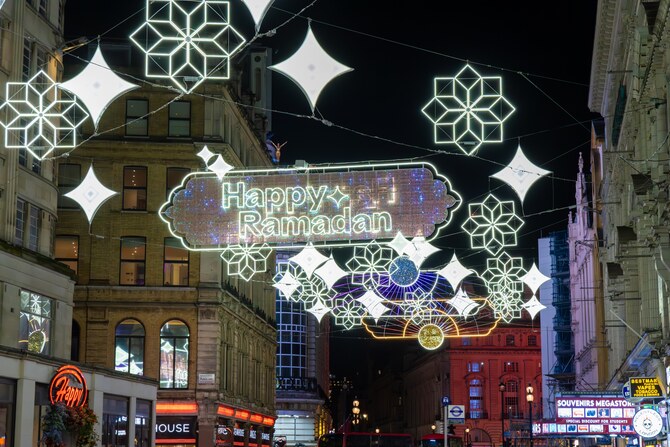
x=187 y=42
x=40 y=116
x=468 y=110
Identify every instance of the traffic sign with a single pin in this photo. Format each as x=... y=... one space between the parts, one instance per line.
x=456 y=414
x=445 y=401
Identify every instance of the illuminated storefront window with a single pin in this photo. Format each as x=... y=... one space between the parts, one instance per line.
x=143 y=423
x=7 y=393
x=115 y=421
x=174 y=355
x=35 y=323
x=129 y=347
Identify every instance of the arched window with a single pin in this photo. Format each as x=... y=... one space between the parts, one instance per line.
x=129 y=347
x=174 y=355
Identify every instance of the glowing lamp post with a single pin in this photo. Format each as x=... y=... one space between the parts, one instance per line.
x=355 y=411
x=529 y=399
x=432 y=427
x=467 y=437
x=501 y=386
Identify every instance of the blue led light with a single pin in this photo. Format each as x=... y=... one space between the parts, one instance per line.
x=403 y=271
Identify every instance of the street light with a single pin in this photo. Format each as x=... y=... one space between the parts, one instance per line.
x=433 y=427
x=467 y=437
x=377 y=430
x=529 y=399
x=355 y=411
x=501 y=386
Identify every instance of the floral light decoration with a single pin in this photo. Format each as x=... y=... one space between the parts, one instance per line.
x=311 y=68
x=520 y=174
x=468 y=110
x=246 y=260
x=187 y=42
x=492 y=224
x=40 y=116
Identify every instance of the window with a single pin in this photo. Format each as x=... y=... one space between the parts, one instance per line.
x=33 y=228
x=174 y=355
x=175 y=263
x=20 y=222
x=509 y=340
x=129 y=351
x=143 y=423
x=179 y=124
x=475 y=366
x=42 y=6
x=137 y=120
x=35 y=323
x=114 y=421
x=135 y=188
x=7 y=404
x=66 y=250
x=476 y=397
x=5 y=35
x=532 y=340
x=27 y=70
x=466 y=341
x=511 y=367
x=133 y=252
x=174 y=178
x=69 y=177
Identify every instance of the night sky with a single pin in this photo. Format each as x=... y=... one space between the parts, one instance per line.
x=543 y=53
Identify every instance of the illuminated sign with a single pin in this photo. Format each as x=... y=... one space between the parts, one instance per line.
x=648 y=423
x=594 y=415
x=176 y=429
x=645 y=387
x=327 y=206
x=68 y=386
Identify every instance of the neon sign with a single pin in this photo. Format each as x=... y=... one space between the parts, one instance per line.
x=68 y=386
x=325 y=206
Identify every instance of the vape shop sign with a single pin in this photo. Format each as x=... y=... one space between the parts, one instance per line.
x=176 y=429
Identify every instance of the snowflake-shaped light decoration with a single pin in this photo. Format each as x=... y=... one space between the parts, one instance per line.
x=348 y=312
x=258 y=9
x=534 y=279
x=187 y=41
x=97 y=86
x=468 y=110
x=246 y=260
x=533 y=306
x=503 y=280
x=311 y=68
x=455 y=272
x=370 y=265
x=492 y=224
x=374 y=304
x=90 y=194
x=464 y=306
x=520 y=174
x=40 y=116
x=417 y=307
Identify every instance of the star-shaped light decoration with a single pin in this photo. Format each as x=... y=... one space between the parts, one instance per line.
x=90 y=194
x=258 y=9
x=219 y=167
x=417 y=307
x=534 y=278
x=187 y=41
x=337 y=196
x=40 y=116
x=468 y=110
x=463 y=304
x=520 y=174
x=309 y=259
x=330 y=272
x=455 y=272
x=246 y=260
x=319 y=310
x=97 y=86
x=370 y=264
x=205 y=154
x=287 y=285
x=374 y=304
x=399 y=243
x=348 y=312
x=492 y=224
x=533 y=306
x=419 y=249
x=311 y=68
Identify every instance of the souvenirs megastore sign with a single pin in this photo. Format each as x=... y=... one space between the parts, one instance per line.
x=327 y=206
x=592 y=415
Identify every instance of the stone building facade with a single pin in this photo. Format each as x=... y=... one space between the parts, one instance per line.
x=146 y=305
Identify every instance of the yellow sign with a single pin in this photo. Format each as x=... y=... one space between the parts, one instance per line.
x=645 y=387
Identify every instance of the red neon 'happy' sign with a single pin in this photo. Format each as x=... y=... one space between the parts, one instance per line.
x=68 y=386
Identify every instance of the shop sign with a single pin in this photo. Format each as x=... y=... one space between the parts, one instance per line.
x=593 y=415
x=224 y=436
x=648 y=423
x=326 y=206
x=68 y=386
x=206 y=379
x=252 y=436
x=265 y=438
x=239 y=436
x=170 y=429
x=645 y=387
